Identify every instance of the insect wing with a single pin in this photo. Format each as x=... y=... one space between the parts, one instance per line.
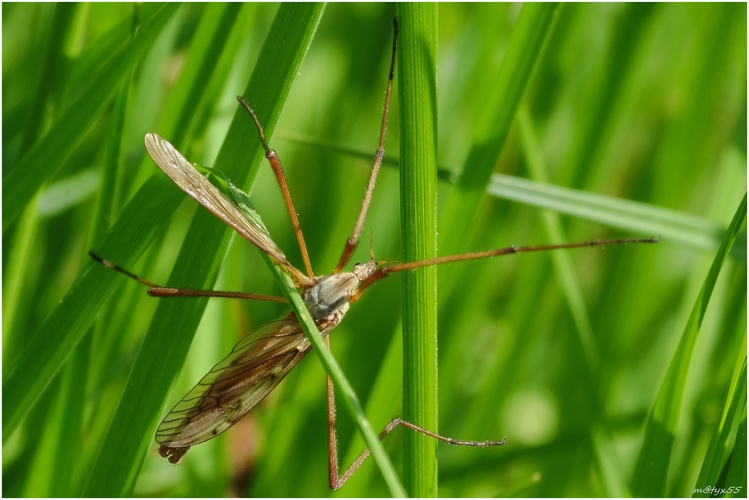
x=234 y=386
x=189 y=180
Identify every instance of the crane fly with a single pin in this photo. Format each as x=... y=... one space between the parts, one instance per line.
x=262 y=359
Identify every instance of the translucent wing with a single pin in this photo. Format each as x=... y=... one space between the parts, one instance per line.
x=189 y=180
x=233 y=387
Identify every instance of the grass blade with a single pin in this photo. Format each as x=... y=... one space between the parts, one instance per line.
x=639 y=218
x=644 y=104
x=162 y=355
x=350 y=400
x=41 y=162
x=660 y=431
x=728 y=443
x=417 y=97
x=524 y=50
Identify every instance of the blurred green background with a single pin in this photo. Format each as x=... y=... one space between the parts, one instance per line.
x=639 y=102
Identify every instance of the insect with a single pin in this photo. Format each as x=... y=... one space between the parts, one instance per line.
x=261 y=360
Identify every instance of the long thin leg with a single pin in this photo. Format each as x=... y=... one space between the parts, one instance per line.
x=155 y=290
x=387 y=270
x=332 y=432
x=336 y=481
x=275 y=163
x=354 y=238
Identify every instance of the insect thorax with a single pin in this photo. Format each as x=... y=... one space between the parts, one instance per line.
x=328 y=299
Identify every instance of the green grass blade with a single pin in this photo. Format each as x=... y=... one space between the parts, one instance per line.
x=49 y=347
x=58 y=462
x=636 y=217
x=125 y=242
x=47 y=155
x=309 y=326
x=733 y=478
x=644 y=103
x=417 y=97
x=350 y=400
x=60 y=25
x=572 y=290
x=555 y=232
x=213 y=36
x=523 y=51
x=654 y=459
x=162 y=355
x=18 y=262
x=641 y=218
x=726 y=443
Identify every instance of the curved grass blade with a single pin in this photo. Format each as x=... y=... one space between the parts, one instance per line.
x=614 y=212
x=41 y=161
x=727 y=438
x=524 y=50
x=140 y=406
x=660 y=432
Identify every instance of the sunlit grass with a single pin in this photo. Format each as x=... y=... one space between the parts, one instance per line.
x=633 y=102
